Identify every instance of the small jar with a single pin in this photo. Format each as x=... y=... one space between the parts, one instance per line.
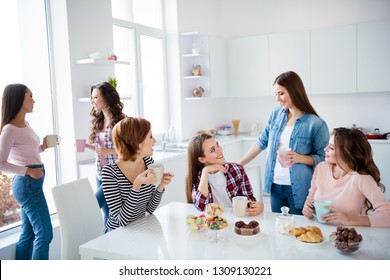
x=285 y=221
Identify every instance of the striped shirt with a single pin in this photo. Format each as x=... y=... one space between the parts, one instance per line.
x=237 y=184
x=125 y=204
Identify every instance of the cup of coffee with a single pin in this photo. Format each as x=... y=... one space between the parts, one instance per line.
x=158 y=169
x=240 y=203
x=321 y=210
x=52 y=140
x=80 y=145
x=282 y=157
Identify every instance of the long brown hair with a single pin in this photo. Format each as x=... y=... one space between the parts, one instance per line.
x=127 y=134
x=195 y=151
x=294 y=85
x=12 y=102
x=115 y=106
x=352 y=146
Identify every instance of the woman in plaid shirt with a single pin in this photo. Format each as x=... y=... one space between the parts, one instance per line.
x=210 y=179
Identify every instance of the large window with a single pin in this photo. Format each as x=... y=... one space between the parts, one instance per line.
x=139 y=38
x=25 y=59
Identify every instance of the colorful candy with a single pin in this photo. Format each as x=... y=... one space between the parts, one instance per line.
x=216 y=223
x=196 y=223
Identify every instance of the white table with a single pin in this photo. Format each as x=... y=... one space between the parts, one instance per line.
x=165 y=235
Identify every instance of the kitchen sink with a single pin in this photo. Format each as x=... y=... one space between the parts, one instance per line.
x=173 y=148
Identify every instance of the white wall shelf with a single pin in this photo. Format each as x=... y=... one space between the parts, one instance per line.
x=87 y=99
x=101 y=61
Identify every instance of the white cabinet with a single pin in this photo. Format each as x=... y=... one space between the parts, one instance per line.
x=218 y=67
x=209 y=53
x=373 y=56
x=290 y=52
x=232 y=151
x=175 y=191
x=333 y=60
x=248 y=66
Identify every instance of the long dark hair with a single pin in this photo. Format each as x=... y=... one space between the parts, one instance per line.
x=114 y=105
x=195 y=151
x=294 y=85
x=354 y=149
x=12 y=102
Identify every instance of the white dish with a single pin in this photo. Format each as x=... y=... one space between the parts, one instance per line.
x=308 y=243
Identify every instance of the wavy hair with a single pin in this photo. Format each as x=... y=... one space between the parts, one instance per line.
x=115 y=106
x=294 y=85
x=12 y=102
x=195 y=150
x=353 y=148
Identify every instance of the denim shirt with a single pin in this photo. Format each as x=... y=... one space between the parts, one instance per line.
x=309 y=137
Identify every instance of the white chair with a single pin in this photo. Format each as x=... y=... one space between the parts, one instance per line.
x=79 y=216
x=254 y=175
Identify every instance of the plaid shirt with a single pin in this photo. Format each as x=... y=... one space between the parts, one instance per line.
x=107 y=159
x=237 y=184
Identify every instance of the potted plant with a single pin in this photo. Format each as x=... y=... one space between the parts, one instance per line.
x=113 y=81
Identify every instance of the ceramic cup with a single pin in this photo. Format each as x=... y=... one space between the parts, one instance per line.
x=52 y=140
x=240 y=203
x=80 y=145
x=321 y=210
x=281 y=157
x=158 y=169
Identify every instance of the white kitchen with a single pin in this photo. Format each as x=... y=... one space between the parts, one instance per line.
x=340 y=48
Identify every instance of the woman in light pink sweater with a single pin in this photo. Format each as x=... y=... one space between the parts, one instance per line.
x=351 y=180
x=19 y=154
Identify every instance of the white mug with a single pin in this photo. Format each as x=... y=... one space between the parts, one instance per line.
x=240 y=203
x=158 y=169
x=52 y=140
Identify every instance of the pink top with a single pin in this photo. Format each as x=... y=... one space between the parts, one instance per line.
x=21 y=145
x=349 y=192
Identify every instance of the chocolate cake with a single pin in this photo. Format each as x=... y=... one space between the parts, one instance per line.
x=246 y=229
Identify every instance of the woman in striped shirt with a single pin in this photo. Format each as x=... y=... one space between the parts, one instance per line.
x=128 y=183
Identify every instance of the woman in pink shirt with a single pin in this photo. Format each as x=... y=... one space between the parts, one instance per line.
x=351 y=180
x=19 y=155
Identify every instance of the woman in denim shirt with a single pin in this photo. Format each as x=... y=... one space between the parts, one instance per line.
x=293 y=126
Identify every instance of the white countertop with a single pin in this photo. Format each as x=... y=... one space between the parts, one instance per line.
x=165 y=235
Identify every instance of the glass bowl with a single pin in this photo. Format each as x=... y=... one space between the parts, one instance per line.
x=345 y=247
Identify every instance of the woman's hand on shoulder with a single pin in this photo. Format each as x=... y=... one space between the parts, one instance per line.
x=308 y=208
x=166 y=179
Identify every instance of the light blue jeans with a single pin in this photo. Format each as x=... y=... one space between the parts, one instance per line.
x=281 y=195
x=101 y=200
x=36 y=230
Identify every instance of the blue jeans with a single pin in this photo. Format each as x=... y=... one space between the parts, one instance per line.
x=281 y=195
x=101 y=200
x=36 y=230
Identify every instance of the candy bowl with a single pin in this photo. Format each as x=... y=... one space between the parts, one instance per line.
x=196 y=223
x=346 y=240
x=216 y=224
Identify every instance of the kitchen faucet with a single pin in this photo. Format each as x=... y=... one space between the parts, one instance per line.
x=164 y=140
